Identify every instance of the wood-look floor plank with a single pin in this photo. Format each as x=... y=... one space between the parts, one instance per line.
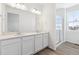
x=66 y=48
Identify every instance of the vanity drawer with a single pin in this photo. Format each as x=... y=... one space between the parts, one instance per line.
x=10 y=41
x=38 y=36
x=45 y=40
x=28 y=38
x=28 y=45
x=45 y=35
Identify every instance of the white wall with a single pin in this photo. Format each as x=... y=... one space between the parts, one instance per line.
x=60 y=12
x=47 y=23
x=2 y=18
x=27 y=22
x=26 y=19
x=73 y=35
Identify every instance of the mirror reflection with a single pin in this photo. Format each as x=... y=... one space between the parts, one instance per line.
x=12 y=22
x=16 y=20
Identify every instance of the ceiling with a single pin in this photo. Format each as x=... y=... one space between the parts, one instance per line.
x=65 y=5
x=39 y=6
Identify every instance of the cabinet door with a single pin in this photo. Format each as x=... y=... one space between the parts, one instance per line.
x=45 y=40
x=38 y=42
x=28 y=45
x=13 y=48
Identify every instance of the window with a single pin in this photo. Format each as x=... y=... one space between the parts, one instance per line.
x=73 y=20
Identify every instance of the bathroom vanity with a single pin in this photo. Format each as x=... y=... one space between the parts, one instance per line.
x=23 y=44
x=15 y=36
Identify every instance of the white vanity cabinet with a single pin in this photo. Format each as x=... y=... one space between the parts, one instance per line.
x=38 y=42
x=11 y=47
x=45 y=40
x=28 y=45
x=24 y=45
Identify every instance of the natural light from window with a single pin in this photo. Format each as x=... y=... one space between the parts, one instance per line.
x=73 y=20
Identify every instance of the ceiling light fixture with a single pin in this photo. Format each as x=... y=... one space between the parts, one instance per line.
x=18 y=6
x=21 y=6
x=36 y=11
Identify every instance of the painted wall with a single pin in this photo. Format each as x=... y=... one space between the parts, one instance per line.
x=2 y=18
x=72 y=36
x=47 y=23
x=60 y=12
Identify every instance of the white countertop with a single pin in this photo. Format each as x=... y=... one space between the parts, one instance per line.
x=8 y=36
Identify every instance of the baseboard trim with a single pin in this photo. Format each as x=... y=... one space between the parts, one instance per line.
x=59 y=43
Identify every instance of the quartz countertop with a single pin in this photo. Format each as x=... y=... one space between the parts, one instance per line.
x=14 y=35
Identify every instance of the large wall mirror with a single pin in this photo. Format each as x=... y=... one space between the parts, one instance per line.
x=18 y=21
